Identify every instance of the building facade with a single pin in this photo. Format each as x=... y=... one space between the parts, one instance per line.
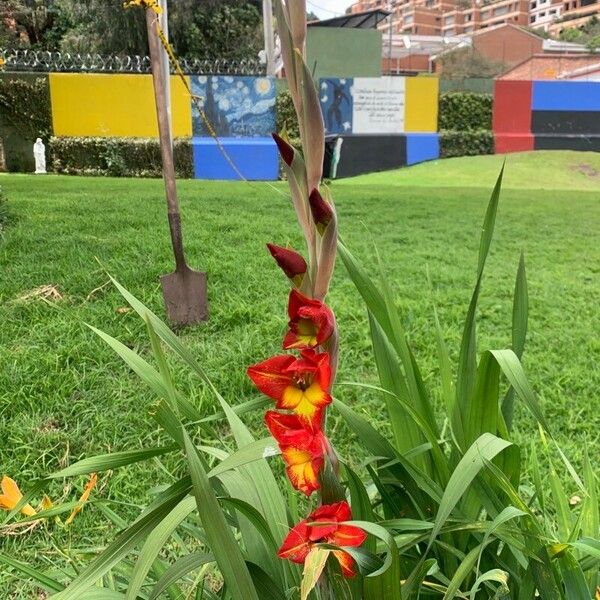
x=456 y=17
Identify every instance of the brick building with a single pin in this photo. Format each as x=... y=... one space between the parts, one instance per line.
x=456 y=17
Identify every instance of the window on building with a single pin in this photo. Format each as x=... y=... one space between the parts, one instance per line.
x=408 y=19
x=532 y=19
x=533 y=5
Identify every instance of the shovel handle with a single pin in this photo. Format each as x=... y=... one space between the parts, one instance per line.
x=166 y=148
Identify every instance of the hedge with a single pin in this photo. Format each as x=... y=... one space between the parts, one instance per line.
x=117 y=157
x=466 y=143
x=465 y=111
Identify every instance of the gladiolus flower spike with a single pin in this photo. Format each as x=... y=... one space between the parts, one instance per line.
x=309 y=532
x=300 y=384
x=303 y=449
x=311 y=322
x=290 y=262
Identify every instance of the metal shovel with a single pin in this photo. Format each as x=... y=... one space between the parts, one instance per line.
x=184 y=291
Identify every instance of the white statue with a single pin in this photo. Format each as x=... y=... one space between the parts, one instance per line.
x=39 y=153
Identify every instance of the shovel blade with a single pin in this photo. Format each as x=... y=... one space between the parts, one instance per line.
x=185 y=296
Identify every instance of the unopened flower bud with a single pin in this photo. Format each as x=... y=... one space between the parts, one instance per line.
x=285 y=149
x=321 y=210
x=291 y=263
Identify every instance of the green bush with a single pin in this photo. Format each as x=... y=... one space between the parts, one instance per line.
x=465 y=111
x=466 y=143
x=117 y=157
x=286 y=115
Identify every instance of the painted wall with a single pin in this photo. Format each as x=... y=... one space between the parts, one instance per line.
x=546 y=115
x=115 y=105
x=378 y=123
x=361 y=56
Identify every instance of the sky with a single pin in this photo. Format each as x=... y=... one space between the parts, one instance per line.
x=327 y=9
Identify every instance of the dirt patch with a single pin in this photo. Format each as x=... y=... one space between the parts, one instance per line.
x=588 y=171
x=47 y=293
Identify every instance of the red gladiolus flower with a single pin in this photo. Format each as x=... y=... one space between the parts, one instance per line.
x=309 y=532
x=321 y=210
x=290 y=262
x=311 y=322
x=302 y=448
x=297 y=384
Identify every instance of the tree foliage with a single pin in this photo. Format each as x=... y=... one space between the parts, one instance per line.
x=466 y=62
x=204 y=29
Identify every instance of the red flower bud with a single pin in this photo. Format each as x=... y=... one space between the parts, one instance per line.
x=321 y=210
x=285 y=149
x=291 y=263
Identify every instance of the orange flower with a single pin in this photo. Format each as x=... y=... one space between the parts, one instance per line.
x=297 y=384
x=309 y=532
x=87 y=490
x=11 y=496
x=302 y=448
x=311 y=322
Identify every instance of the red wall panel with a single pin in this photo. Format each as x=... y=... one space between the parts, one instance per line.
x=513 y=142
x=512 y=107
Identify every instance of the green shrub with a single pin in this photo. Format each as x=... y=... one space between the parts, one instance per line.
x=117 y=157
x=465 y=111
x=466 y=143
x=286 y=115
x=25 y=105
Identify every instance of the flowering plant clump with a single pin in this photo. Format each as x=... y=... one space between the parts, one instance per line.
x=300 y=381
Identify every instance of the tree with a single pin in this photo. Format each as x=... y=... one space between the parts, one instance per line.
x=32 y=23
x=466 y=62
x=311 y=16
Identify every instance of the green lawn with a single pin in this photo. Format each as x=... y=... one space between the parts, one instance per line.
x=64 y=395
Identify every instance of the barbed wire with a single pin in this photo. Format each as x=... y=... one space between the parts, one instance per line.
x=65 y=62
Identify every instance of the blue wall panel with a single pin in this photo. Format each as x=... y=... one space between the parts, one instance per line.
x=422 y=146
x=255 y=158
x=566 y=95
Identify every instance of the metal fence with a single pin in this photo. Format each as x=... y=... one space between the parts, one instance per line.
x=64 y=62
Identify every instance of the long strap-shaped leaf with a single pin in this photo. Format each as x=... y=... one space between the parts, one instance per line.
x=220 y=537
x=467 y=362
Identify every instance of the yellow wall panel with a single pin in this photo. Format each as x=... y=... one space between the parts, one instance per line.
x=421 y=104
x=113 y=105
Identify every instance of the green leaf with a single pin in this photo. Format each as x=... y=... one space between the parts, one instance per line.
x=154 y=544
x=413 y=582
x=266 y=588
x=483 y=414
x=105 y=462
x=180 y=568
x=119 y=548
x=513 y=371
x=467 y=361
x=486 y=447
x=519 y=333
x=220 y=537
x=40 y=578
x=590 y=513
x=496 y=575
x=467 y=564
x=573 y=578
x=251 y=452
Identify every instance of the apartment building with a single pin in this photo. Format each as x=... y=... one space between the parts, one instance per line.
x=456 y=17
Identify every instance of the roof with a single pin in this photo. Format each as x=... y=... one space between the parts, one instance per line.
x=431 y=45
x=549 y=66
x=369 y=19
x=581 y=71
x=487 y=30
x=559 y=46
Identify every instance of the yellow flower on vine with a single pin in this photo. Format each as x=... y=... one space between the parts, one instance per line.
x=151 y=4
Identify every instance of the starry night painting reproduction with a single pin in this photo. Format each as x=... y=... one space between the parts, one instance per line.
x=235 y=106
x=336 y=104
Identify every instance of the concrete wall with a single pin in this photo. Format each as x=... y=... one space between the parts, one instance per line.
x=339 y=52
x=115 y=105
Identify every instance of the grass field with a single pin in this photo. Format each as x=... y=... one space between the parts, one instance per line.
x=64 y=395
